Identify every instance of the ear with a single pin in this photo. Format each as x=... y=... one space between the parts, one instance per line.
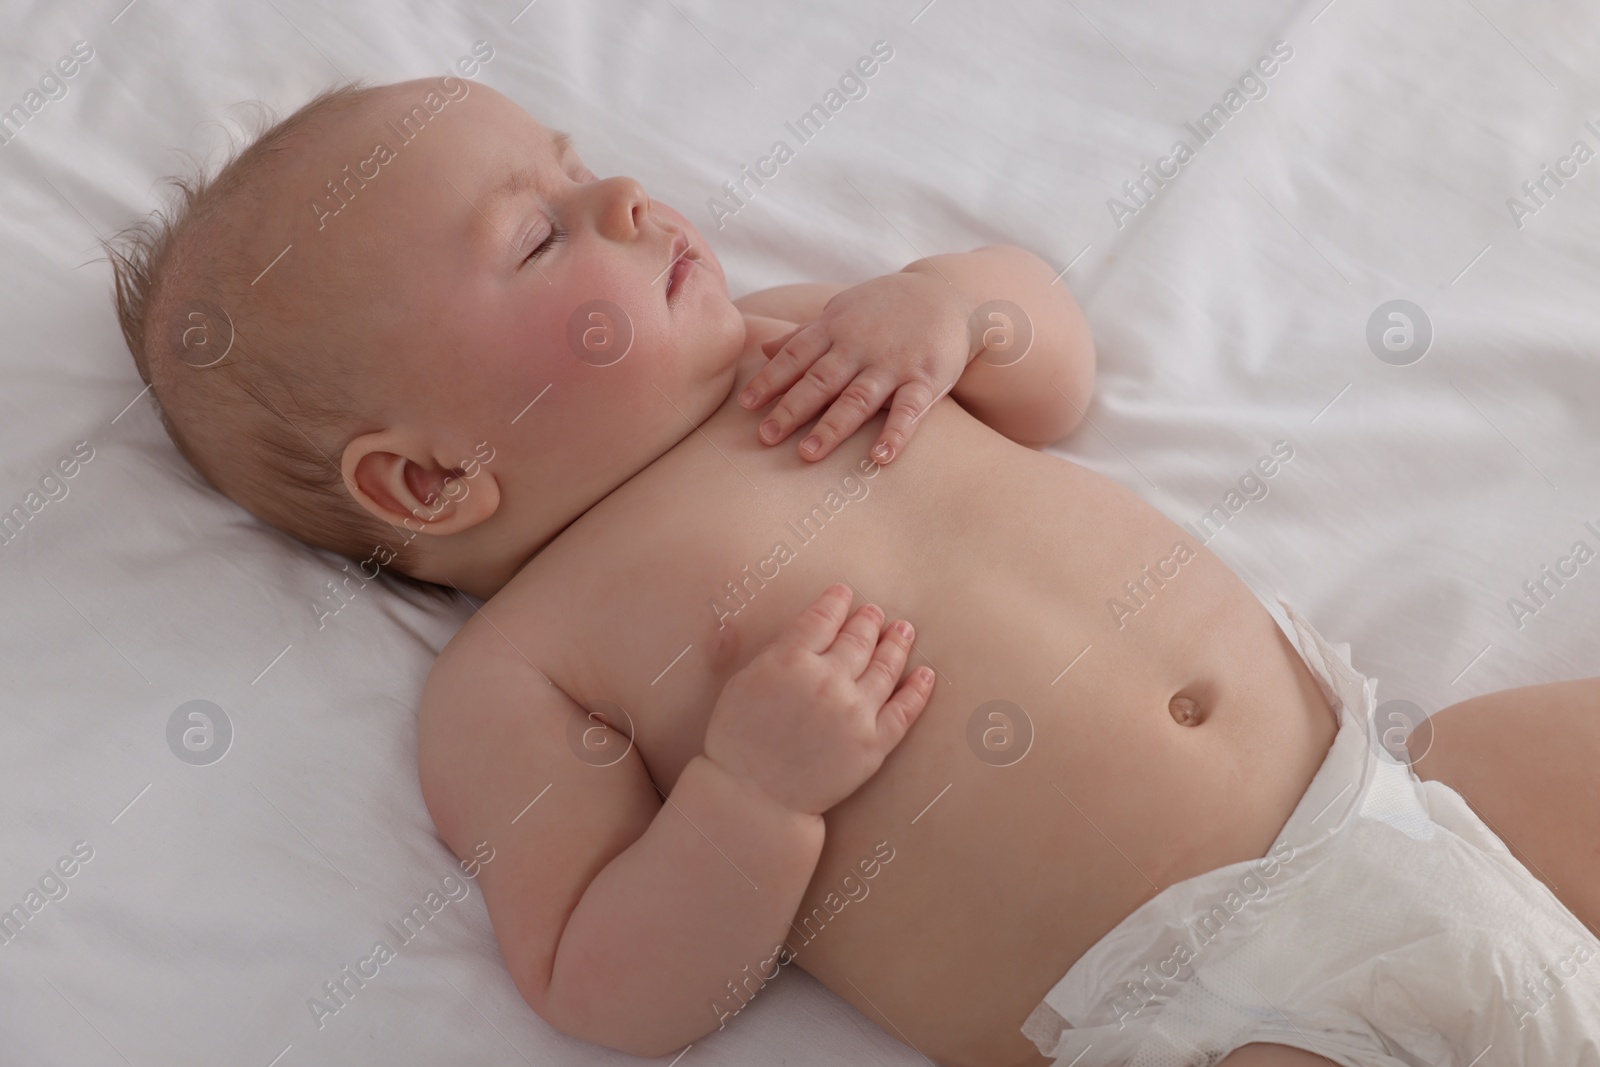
x=396 y=477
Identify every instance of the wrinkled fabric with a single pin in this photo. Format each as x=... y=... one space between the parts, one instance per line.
x=1387 y=927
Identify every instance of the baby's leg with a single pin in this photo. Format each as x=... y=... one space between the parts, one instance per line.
x=1252 y=1055
x=1528 y=762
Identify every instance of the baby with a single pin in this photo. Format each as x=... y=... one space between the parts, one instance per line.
x=1101 y=806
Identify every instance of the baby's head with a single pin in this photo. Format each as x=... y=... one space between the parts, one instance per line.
x=408 y=325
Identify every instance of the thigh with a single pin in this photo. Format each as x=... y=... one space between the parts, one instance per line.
x=1258 y=1055
x=1527 y=761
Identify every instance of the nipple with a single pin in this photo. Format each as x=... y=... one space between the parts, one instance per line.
x=1185 y=710
x=725 y=645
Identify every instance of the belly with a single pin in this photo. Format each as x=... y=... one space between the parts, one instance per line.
x=1111 y=714
x=1088 y=745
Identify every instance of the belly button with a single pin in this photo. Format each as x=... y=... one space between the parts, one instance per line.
x=1185 y=710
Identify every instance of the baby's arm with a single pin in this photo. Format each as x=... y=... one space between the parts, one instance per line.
x=1040 y=398
x=621 y=918
x=800 y=302
x=905 y=339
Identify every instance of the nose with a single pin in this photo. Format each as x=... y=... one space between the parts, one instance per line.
x=623 y=207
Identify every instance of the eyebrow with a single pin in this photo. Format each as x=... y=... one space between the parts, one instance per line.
x=523 y=177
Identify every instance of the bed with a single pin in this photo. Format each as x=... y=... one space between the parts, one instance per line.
x=1362 y=260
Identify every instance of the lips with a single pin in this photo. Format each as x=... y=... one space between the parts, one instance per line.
x=683 y=264
x=680 y=274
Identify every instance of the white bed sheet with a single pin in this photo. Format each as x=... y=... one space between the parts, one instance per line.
x=1230 y=314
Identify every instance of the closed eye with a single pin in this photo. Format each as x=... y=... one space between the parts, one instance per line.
x=557 y=235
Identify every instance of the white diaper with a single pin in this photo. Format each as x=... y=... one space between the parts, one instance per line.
x=1387 y=926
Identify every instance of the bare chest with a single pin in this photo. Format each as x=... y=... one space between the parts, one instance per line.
x=650 y=602
x=1047 y=788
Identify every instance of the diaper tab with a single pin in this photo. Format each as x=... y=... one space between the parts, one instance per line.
x=1345 y=688
x=1335 y=793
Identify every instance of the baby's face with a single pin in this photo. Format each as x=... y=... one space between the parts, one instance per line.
x=501 y=271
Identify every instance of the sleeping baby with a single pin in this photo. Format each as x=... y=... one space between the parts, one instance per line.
x=794 y=648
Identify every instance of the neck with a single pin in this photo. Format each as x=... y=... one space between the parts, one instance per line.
x=480 y=565
x=482 y=560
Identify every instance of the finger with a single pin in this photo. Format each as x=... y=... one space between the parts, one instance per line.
x=802 y=346
x=853 y=648
x=771 y=345
x=815 y=627
x=860 y=401
x=904 y=708
x=879 y=677
x=823 y=380
x=911 y=402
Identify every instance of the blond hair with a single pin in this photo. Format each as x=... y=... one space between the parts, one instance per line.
x=228 y=368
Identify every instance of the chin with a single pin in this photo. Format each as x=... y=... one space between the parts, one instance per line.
x=730 y=328
x=713 y=348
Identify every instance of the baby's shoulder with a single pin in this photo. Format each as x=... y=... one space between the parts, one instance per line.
x=502 y=635
x=494 y=681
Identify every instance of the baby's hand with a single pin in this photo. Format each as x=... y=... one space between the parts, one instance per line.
x=902 y=335
x=815 y=713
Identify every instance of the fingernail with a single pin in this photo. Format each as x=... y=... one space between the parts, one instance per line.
x=747 y=397
x=769 y=430
x=883 y=453
x=811 y=444
x=903 y=628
